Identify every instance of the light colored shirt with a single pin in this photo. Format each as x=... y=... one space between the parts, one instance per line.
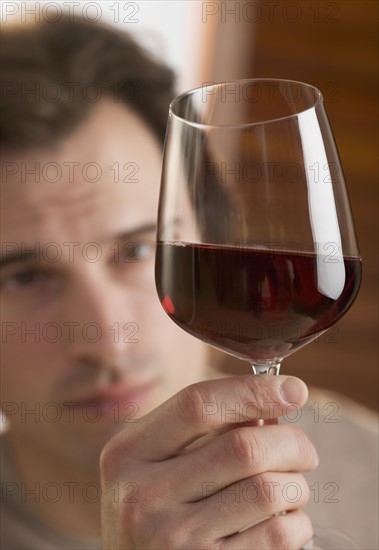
x=344 y=488
x=20 y=528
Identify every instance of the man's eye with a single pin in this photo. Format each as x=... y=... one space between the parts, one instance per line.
x=135 y=252
x=25 y=279
x=144 y=251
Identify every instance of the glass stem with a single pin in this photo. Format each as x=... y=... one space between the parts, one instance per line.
x=271 y=368
x=268 y=367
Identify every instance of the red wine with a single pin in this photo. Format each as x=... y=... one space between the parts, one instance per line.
x=256 y=304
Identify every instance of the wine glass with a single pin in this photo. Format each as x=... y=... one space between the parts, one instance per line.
x=256 y=248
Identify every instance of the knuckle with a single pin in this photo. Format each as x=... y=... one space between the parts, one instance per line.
x=115 y=456
x=248 y=448
x=290 y=531
x=189 y=404
x=279 y=535
x=305 y=448
x=240 y=447
x=167 y=537
x=153 y=497
x=268 y=492
x=182 y=535
x=133 y=517
x=259 y=450
x=143 y=511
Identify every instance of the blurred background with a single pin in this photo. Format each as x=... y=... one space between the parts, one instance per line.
x=330 y=44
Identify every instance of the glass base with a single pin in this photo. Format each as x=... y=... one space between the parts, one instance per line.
x=327 y=538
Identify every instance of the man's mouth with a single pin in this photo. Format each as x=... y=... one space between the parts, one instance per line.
x=121 y=398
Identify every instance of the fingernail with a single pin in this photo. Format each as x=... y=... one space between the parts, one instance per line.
x=294 y=390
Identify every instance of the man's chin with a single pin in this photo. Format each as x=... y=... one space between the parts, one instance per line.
x=91 y=425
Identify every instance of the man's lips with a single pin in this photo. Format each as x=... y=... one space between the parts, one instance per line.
x=120 y=392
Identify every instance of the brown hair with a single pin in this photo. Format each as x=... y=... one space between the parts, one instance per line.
x=52 y=73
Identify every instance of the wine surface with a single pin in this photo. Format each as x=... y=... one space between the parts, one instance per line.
x=254 y=303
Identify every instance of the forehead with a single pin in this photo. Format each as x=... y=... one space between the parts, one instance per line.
x=103 y=178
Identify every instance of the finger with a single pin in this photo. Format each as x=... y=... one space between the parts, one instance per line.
x=288 y=532
x=252 y=500
x=205 y=406
x=238 y=454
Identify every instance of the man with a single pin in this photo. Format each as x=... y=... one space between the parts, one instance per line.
x=89 y=358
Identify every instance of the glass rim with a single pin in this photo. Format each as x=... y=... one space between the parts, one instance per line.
x=319 y=99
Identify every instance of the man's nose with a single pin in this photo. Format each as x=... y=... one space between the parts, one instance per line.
x=102 y=316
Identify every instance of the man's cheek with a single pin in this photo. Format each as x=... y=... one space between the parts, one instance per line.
x=28 y=356
x=26 y=368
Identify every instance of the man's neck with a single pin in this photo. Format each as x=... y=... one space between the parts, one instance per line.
x=65 y=496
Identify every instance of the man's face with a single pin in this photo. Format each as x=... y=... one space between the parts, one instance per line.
x=86 y=346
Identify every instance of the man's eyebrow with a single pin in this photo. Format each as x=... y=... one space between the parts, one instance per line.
x=137 y=232
x=21 y=256
x=23 y=253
